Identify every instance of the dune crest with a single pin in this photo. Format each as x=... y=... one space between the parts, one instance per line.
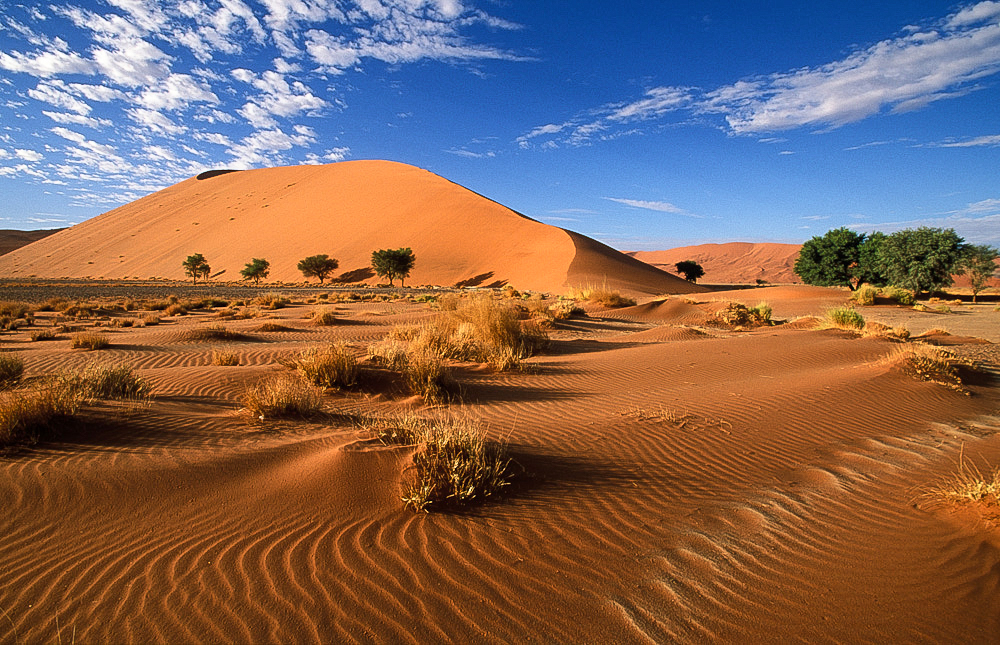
x=346 y=210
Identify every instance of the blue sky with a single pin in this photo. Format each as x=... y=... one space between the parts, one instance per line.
x=643 y=124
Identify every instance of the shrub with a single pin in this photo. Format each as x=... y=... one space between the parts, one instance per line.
x=90 y=341
x=943 y=309
x=26 y=415
x=43 y=334
x=211 y=333
x=282 y=396
x=898 y=295
x=14 y=309
x=865 y=296
x=109 y=381
x=270 y=326
x=175 y=309
x=150 y=320
x=845 y=318
x=225 y=358
x=11 y=370
x=331 y=366
x=456 y=463
x=271 y=301
x=324 y=317
x=737 y=314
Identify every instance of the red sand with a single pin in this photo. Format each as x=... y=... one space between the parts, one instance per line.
x=346 y=210
x=732 y=263
x=684 y=485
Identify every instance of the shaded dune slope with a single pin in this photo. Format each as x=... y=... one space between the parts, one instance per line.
x=346 y=210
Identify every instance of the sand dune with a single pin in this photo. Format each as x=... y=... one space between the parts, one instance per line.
x=11 y=239
x=346 y=210
x=733 y=262
x=684 y=484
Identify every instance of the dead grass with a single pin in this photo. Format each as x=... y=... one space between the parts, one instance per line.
x=90 y=341
x=283 y=395
x=271 y=326
x=878 y=330
x=117 y=381
x=271 y=301
x=213 y=333
x=225 y=357
x=968 y=485
x=602 y=296
x=324 y=317
x=333 y=366
x=455 y=464
x=38 y=335
x=737 y=314
x=11 y=370
x=26 y=415
x=929 y=363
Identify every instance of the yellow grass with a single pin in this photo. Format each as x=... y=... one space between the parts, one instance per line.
x=331 y=366
x=283 y=395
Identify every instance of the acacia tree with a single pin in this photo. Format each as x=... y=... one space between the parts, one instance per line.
x=393 y=263
x=195 y=265
x=319 y=266
x=979 y=264
x=256 y=269
x=834 y=260
x=690 y=269
x=922 y=259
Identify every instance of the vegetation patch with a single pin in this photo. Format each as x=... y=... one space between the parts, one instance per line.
x=865 y=295
x=48 y=333
x=602 y=296
x=225 y=357
x=324 y=317
x=26 y=415
x=737 y=314
x=845 y=318
x=934 y=364
x=284 y=395
x=11 y=371
x=272 y=326
x=212 y=333
x=90 y=341
x=969 y=485
x=333 y=366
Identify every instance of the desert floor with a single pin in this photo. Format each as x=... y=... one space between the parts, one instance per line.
x=682 y=482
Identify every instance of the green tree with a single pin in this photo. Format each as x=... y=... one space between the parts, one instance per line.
x=256 y=269
x=979 y=265
x=690 y=269
x=922 y=259
x=195 y=265
x=833 y=259
x=319 y=266
x=393 y=263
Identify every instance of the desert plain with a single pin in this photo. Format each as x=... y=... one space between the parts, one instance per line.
x=675 y=475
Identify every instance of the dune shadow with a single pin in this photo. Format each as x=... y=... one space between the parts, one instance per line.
x=587 y=346
x=208 y=174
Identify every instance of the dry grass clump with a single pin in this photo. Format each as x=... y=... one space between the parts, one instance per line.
x=212 y=333
x=899 y=295
x=14 y=309
x=332 y=366
x=324 y=317
x=601 y=296
x=968 y=485
x=879 y=330
x=456 y=462
x=150 y=320
x=865 y=295
x=930 y=363
x=271 y=301
x=428 y=375
x=284 y=395
x=737 y=314
x=11 y=370
x=43 y=334
x=272 y=326
x=225 y=357
x=27 y=414
x=108 y=381
x=845 y=318
x=90 y=341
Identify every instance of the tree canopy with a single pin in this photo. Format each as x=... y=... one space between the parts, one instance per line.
x=690 y=269
x=832 y=259
x=393 y=263
x=980 y=266
x=196 y=265
x=256 y=269
x=922 y=259
x=318 y=266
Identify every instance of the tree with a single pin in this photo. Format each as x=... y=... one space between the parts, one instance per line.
x=393 y=263
x=255 y=270
x=319 y=266
x=690 y=269
x=979 y=265
x=195 y=265
x=923 y=259
x=833 y=259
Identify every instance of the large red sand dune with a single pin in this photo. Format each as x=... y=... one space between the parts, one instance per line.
x=732 y=263
x=346 y=210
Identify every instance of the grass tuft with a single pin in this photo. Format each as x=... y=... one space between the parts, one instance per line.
x=332 y=366
x=225 y=357
x=601 y=296
x=284 y=395
x=865 y=295
x=324 y=317
x=845 y=318
x=90 y=341
x=11 y=371
x=26 y=415
x=212 y=333
x=968 y=485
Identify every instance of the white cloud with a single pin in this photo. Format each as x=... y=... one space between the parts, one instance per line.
x=155 y=122
x=55 y=93
x=658 y=102
x=46 y=63
x=660 y=207
x=69 y=134
x=176 y=92
x=75 y=119
x=28 y=155
x=987 y=140
x=978 y=222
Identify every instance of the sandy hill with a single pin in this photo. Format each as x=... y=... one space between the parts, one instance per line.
x=11 y=239
x=346 y=210
x=732 y=263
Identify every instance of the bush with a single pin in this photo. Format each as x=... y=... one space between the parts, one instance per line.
x=43 y=334
x=331 y=366
x=324 y=317
x=846 y=318
x=11 y=371
x=282 y=396
x=456 y=463
x=14 y=309
x=865 y=296
x=109 y=381
x=737 y=314
x=175 y=309
x=90 y=341
x=898 y=295
x=151 y=320
x=271 y=301
x=225 y=358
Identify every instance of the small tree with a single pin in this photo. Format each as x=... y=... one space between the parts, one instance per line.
x=923 y=259
x=690 y=269
x=319 y=266
x=195 y=265
x=979 y=265
x=393 y=263
x=256 y=269
x=833 y=259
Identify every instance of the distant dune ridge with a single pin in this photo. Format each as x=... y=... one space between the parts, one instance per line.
x=346 y=210
x=11 y=239
x=732 y=263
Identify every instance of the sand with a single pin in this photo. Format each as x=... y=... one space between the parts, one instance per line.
x=683 y=483
x=346 y=210
x=733 y=262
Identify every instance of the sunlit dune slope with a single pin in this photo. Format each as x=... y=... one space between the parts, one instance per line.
x=732 y=263
x=346 y=210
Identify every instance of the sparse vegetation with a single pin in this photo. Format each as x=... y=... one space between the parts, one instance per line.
x=845 y=318
x=272 y=326
x=109 y=381
x=283 y=395
x=899 y=295
x=48 y=333
x=602 y=296
x=25 y=415
x=427 y=375
x=318 y=266
x=737 y=314
x=90 y=341
x=333 y=366
x=11 y=370
x=271 y=301
x=968 y=485
x=456 y=462
x=212 y=333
